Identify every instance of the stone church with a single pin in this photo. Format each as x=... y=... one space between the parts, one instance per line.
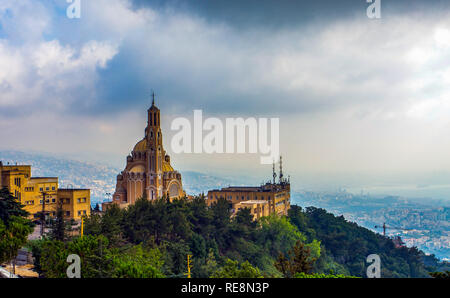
x=148 y=171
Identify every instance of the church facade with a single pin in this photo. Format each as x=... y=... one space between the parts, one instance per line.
x=148 y=172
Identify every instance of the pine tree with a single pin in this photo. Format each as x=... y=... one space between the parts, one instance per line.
x=58 y=229
x=299 y=261
x=14 y=227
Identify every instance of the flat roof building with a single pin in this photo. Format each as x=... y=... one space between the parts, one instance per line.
x=30 y=192
x=269 y=198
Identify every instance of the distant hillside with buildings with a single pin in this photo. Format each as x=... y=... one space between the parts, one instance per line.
x=99 y=177
x=424 y=224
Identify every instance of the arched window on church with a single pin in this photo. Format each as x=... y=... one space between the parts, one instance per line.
x=173 y=190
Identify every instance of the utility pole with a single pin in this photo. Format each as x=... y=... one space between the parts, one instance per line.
x=43 y=213
x=189 y=266
x=281 y=169
x=82 y=227
x=274 y=175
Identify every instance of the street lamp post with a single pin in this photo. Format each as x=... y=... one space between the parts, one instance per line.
x=43 y=213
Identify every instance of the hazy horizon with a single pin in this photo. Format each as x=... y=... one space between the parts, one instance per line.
x=425 y=193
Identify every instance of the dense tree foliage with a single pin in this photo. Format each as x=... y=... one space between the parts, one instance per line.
x=298 y=261
x=232 y=269
x=153 y=239
x=59 y=227
x=14 y=227
x=182 y=227
x=348 y=245
x=441 y=275
x=98 y=259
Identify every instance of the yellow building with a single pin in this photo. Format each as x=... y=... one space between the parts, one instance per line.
x=148 y=172
x=258 y=208
x=76 y=203
x=276 y=196
x=30 y=192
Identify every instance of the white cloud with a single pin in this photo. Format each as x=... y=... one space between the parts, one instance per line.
x=35 y=72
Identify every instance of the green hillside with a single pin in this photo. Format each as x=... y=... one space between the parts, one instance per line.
x=346 y=246
x=153 y=238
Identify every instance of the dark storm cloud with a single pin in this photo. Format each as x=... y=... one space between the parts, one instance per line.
x=281 y=13
x=184 y=75
x=249 y=13
x=176 y=66
x=231 y=57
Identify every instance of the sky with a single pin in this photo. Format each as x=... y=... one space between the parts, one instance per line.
x=362 y=103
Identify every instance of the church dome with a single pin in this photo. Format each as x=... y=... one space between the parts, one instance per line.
x=141 y=145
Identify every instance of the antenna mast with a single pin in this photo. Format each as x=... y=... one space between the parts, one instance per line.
x=281 y=169
x=274 y=175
